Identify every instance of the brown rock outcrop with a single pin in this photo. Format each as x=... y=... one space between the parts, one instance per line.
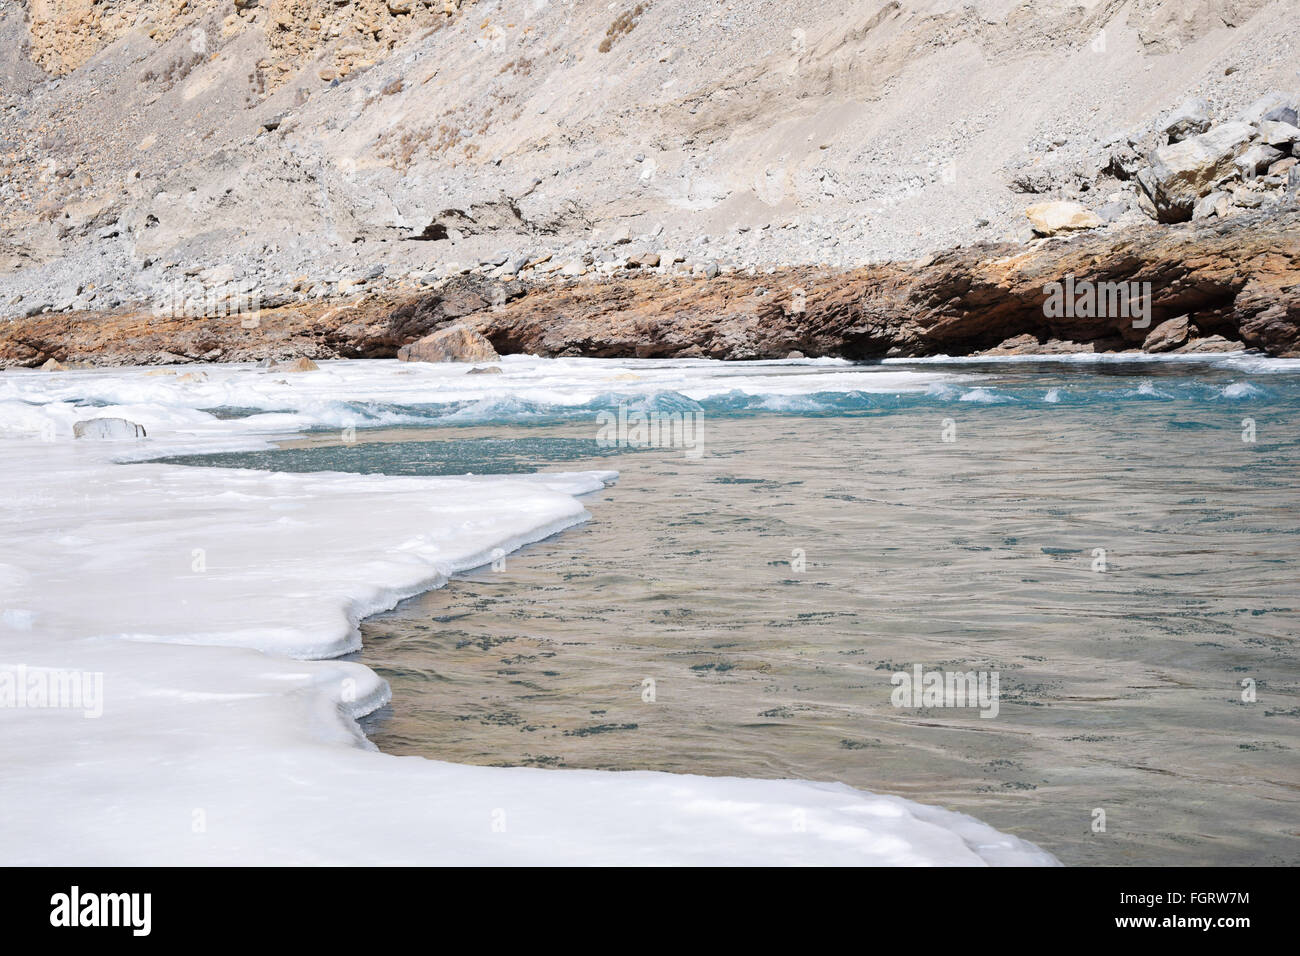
x=1236 y=279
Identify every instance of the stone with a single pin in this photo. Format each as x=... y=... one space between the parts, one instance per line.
x=794 y=354
x=1213 y=343
x=1190 y=119
x=297 y=365
x=1282 y=114
x=643 y=260
x=54 y=365
x=108 y=429
x=1050 y=218
x=1208 y=205
x=1256 y=159
x=711 y=270
x=1168 y=335
x=1283 y=167
x=485 y=370
x=457 y=343
x=1278 y=134
x=1108 y=212
x=1257 y=111
x=1183 y=172
x=1293 y=181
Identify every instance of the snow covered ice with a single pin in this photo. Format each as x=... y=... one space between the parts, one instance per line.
x=209 y=603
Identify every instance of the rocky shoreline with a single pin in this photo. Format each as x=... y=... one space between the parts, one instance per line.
x=1212 y=286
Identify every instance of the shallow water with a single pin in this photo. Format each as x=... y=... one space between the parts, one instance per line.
x=1120 y=689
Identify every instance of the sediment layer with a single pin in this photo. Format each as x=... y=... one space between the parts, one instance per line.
x=1220 y=285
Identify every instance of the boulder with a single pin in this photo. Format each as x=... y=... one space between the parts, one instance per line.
x=1212 y=204
x=297 y=365
x=1265 y=106
x=457 y=343
x=1167 y=336
x=1050 y=218
x=1293 y=181
x=54 y=365
x=1190 y=119
x=1278 y=134
x=1256 y=159
x=1282 y=168
x=1282 y=114
x=1213 y=343
x=108 y=429
x=1183 y=172
x=485 y=370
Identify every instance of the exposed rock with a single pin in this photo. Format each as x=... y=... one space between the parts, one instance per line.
x=1111 y=211
x=1211 y=204
x=1190 y=119
x=1168 y=335
x=108 y=429
x=485 y=370
x=297 y=365
x=1182 y=173
x=54 y=365
x=455 y=344
x=1050 y=218
x=1235 y=278
x=1282 y=114
x=1256 y=159
x=1263 y=108
x=1026 y=344
x=1213 y=343
x=1278 y=134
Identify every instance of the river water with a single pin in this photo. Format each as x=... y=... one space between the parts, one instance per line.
x=1119 y=546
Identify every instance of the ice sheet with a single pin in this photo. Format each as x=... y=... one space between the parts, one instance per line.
x=206 y=603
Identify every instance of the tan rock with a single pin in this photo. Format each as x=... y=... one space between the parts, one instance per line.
x=297 y=365
x=457 y=343
x=1050 y=218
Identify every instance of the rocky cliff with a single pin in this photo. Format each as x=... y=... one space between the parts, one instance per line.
x=1212 y=286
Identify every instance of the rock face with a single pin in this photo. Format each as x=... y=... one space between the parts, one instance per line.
x=1181 y=173
x=108 y=429
x=1235 y=278
x=1050 y=218
x=455 y=344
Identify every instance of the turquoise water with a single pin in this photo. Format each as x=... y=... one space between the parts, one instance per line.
x=821 y=543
